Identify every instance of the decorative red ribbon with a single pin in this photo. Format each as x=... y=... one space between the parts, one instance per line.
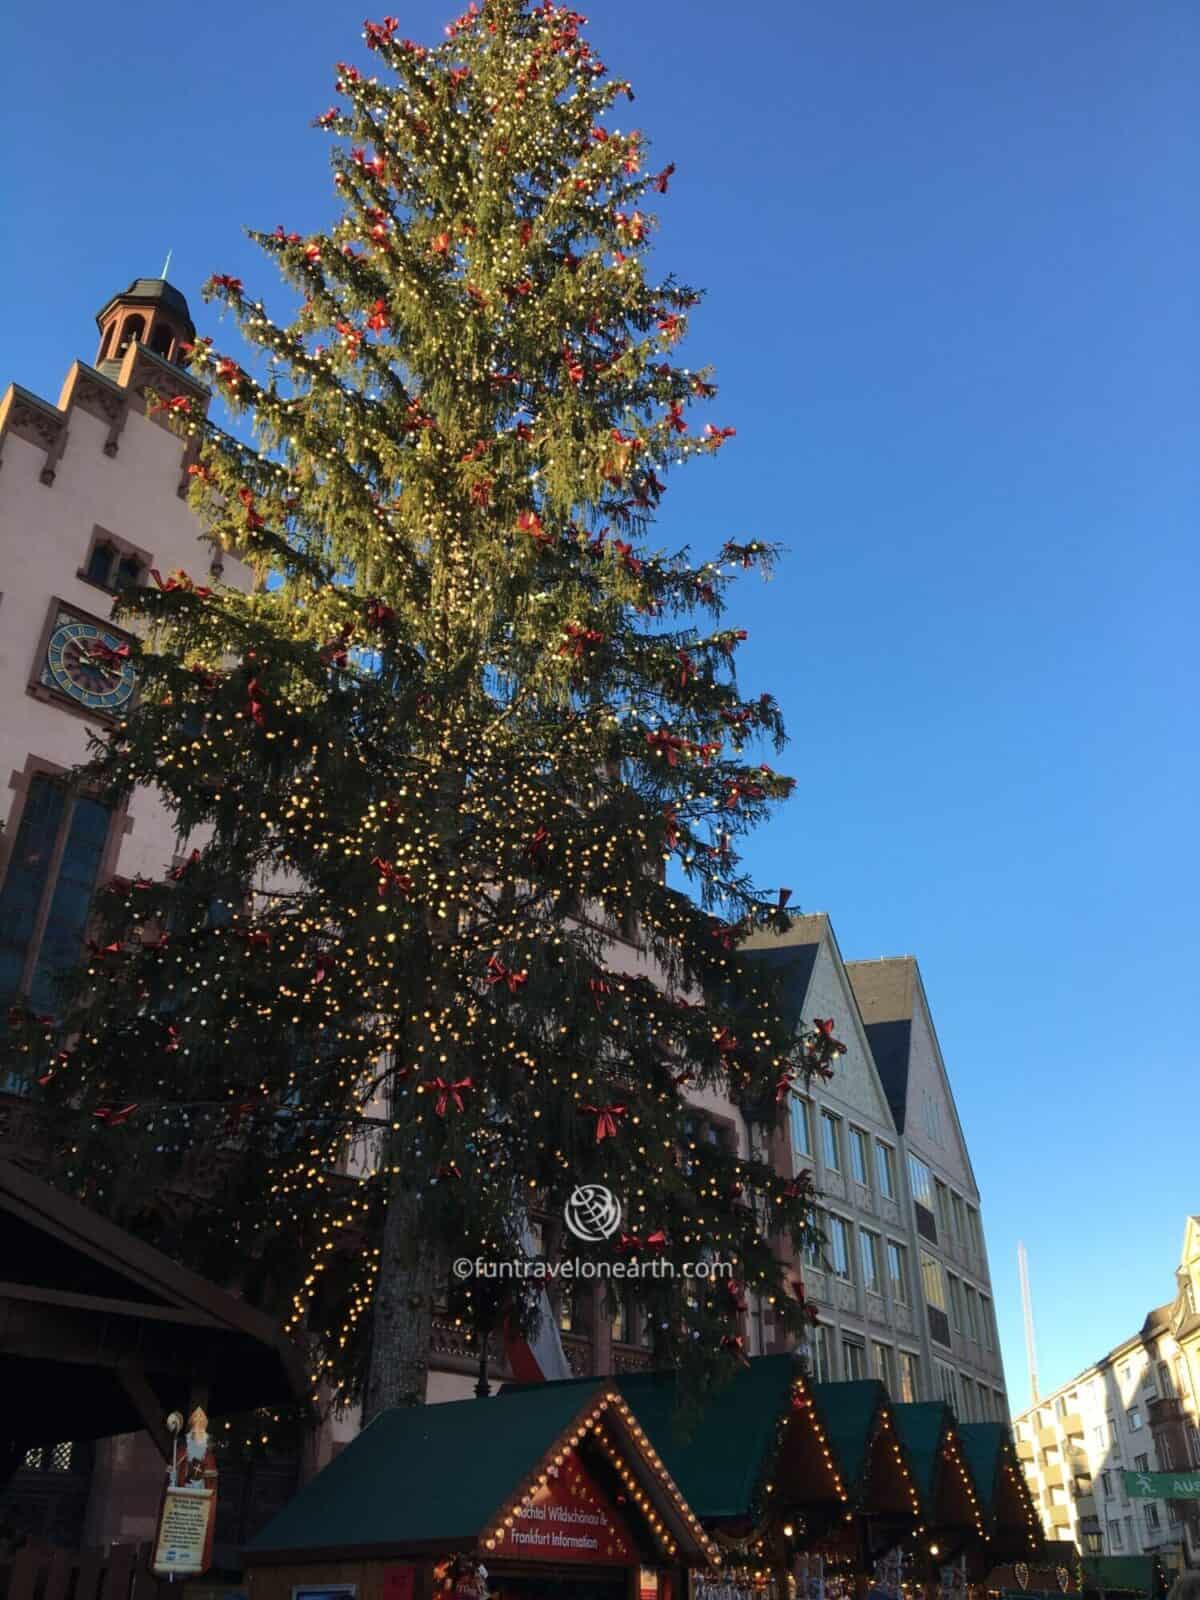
x=632 y=1244
x=497 y=972
x=179 y=580
x=447 y=1091
x=606 y=1119
x=113 y=1118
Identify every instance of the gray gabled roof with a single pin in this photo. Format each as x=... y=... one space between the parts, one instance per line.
x=885 y=994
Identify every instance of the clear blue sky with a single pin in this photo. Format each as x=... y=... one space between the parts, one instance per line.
x=952 y=255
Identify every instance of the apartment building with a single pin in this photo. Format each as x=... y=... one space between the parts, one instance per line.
x=1134 y=1411
x=901 y=1282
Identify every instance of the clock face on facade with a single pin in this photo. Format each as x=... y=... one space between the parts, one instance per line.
x=88 y=663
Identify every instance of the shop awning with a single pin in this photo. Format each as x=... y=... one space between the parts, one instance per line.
x=102 y=1334
x=440 y=1477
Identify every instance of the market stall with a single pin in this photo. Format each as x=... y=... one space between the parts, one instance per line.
x=552 y=1491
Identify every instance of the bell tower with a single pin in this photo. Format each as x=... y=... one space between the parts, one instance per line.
x=151 y=312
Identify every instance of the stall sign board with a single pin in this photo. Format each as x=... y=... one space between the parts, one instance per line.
x=183 y=1545
x=648 y=1583
x=567 y=1519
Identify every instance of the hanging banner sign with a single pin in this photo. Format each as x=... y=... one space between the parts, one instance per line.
x=1162 y=1485
x=183 y=1545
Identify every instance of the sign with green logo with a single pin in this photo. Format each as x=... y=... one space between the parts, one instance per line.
x=1162 y=1485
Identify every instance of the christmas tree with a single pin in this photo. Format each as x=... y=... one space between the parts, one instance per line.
x=436 y=765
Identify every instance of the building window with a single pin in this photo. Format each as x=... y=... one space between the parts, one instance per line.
x=49 y=1458
x=818 y=1353
x=858 y=1157
x=48 y=888
x=1093 y=1544
x=1106 y=1485
x=110 y=566
x=1134 y=1418
x=869 y=1250
x=1115 y=1539
x=921 y=1182
x=621 y=1323
x=882 y=1360
x=573 y=1308
x=960 y=1217
x=971 y=1310
x=1172 y=1514
x=1166 y=1456
x=898 y=1271
x=956 y=1311
x=910 y=1382
x=985 y=1317
x=946 y=1380
x=974 y=1232
x=932 y=1282
x=1165 y=1384
x=831 y=1143
x=1150 y=1512
x=853 y=1362
x=884 y=1171
x=801 y=1128
x=968 y=1398
x=839 y=1249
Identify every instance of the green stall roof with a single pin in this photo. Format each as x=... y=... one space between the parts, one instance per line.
x=464 y=1459
x=848 y=1413
x=718 y=1462
x=920 y=1425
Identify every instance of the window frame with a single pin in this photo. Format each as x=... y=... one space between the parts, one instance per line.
x=831 y=1139
x=840 y=1231
x=24 y=783
x=859 y=1145
x=904 y=1296
x=885 y=1169
x=868 y=1255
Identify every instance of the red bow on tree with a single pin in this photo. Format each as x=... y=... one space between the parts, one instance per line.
x=446 y=1092
x=734 y=1290
x=178 y=872
x=253 y=521
x=606 y=1119
x=179 y=580
x=529 y=522
x=172 y=1044
x=536 y=849
x=497 y=972
x=599 y=987
x=670 y=827
x=667 y=744
x=105 y=656
x=661 y=180
x=389 y=875
x=113 y=1118
x=632 y=1244
x=222 y=280
x=810 y=1311
x=378 y=615
x=579 y=639
x=322 y=967
x=687 y=668
x=783 y=1088
x=255 y=706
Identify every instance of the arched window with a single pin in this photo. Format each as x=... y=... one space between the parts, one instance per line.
x=106 y=342
x=160 y=340
x=133 y=329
